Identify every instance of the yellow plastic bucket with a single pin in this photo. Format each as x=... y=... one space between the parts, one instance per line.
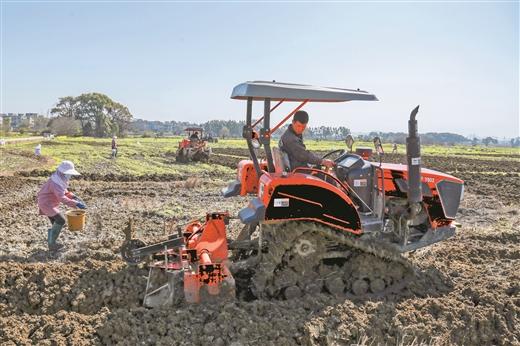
x=76 y=219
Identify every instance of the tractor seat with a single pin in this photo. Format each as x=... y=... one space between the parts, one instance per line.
x=281 y=160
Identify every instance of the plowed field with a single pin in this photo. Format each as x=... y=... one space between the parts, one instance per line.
x=467 y=289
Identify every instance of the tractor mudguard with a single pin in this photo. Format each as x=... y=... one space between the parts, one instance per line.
x=313 y=203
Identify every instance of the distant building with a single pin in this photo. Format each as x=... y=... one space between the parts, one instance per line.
x=31 y=118
x=19 y=119
x=2 y=117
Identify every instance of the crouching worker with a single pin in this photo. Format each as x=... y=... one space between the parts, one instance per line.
x=51 y=194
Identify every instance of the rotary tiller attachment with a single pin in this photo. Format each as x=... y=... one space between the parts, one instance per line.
x=191 y=266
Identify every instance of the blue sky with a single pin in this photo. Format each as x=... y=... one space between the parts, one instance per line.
x=180 y=61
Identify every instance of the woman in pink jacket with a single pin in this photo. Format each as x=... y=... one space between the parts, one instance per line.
x=54 y=192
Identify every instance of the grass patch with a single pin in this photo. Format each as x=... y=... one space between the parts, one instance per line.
x=136 y=156
x=141 y=156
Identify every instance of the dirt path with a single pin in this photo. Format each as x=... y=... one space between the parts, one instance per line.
x=25 y=139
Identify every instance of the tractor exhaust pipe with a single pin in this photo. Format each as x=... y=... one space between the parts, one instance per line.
x=413 y=156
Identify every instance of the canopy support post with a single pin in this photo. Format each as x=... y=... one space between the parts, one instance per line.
x=265 y=136
x=247 y=133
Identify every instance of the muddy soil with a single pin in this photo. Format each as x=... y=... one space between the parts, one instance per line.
x=466 y=291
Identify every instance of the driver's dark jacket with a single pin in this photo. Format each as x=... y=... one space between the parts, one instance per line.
x=299 y=156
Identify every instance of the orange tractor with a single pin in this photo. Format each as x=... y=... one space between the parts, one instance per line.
x=311 y=230
x=193 y=147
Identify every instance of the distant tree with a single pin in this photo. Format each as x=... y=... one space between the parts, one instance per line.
x=6 y=125
x=115 y=128
x=474 y=141
x=344 y=132
x=87 y=129
x=214 y=127
x=24 y=126
x=23 y=129
x=442 y=138
x=373 y=134
x=66 y=107
x=224 y=132
x=65 y=126
x=40 y=123
x=98 y=114
x=121 y=119
x=489 y=140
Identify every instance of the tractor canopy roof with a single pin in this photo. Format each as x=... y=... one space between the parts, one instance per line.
x=193 y=129
x=261 y=90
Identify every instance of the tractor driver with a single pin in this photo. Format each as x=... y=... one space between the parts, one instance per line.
x=291 y=142
x=194 y=136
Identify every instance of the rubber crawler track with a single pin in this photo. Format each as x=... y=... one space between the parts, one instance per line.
x=297 y=258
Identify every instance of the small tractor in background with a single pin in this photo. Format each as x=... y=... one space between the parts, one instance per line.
x=193 y=147
x=308 y=230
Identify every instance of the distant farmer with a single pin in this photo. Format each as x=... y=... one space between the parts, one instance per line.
x=291 y=142
x=38 y=151
x=114 y=147
x=194 y=136
x=394 y=149
x=54 y=192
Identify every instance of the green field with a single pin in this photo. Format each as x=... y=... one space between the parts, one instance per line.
x=139 y=156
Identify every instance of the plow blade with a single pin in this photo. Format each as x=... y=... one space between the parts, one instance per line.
x=172 y=288
x=164 y=288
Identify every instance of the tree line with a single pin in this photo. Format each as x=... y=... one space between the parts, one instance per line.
x=426 y=138
x=96 y=114
x=231 y=128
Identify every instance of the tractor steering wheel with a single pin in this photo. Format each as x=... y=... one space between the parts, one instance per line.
x=340 y=151
x=326 y=169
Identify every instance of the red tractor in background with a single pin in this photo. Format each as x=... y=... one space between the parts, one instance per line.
x=193 y=147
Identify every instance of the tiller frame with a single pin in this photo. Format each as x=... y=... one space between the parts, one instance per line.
x=192 y=265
